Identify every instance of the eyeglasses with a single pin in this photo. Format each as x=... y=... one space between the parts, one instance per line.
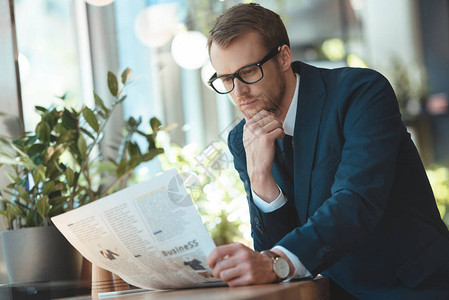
x=248 y=74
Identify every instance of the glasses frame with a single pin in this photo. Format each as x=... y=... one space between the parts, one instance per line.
x=270 y=55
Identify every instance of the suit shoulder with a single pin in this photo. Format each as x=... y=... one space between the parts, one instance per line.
x=236 y=131
x=235 y=138
x=353 y=75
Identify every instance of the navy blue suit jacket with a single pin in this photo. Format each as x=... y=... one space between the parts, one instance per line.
x=360 y=208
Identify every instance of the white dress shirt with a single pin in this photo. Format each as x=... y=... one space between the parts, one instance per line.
x=289 y=126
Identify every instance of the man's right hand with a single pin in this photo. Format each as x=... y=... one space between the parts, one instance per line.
x=259 y=136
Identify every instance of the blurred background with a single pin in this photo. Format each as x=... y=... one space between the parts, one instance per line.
x=51 y=48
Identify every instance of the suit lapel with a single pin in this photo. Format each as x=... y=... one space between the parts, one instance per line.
x=311 y=97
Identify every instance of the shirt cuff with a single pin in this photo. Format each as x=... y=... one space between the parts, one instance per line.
x=300 y=270
x=269 y=207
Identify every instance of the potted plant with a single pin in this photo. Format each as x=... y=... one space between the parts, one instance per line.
x=59 y=167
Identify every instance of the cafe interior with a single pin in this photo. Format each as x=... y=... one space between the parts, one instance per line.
x=133 y=75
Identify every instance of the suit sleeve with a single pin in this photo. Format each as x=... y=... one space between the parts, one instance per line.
x=371 y=128
x=280 y=221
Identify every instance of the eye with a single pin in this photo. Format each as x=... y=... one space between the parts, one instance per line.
x=227 y=79
x=247 y=71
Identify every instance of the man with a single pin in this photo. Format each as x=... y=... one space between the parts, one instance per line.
x=334 y=183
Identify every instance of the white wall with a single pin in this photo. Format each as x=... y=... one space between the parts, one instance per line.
x=391 y=28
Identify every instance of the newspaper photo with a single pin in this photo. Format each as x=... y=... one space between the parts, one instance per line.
x=149 y=234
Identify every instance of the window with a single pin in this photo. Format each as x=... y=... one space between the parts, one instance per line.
x=48 y=58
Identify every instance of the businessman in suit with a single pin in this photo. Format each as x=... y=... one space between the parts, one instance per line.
x=334 y=183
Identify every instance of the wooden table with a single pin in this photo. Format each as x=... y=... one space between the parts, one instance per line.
x=308 y=289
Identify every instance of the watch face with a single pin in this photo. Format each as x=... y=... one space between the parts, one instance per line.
x=281 y=268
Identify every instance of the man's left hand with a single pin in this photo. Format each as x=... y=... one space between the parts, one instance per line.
x=239 y=265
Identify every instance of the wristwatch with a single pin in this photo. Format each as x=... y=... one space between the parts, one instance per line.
x=280 y=266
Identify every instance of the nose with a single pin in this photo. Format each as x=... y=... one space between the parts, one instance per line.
x=240 y=88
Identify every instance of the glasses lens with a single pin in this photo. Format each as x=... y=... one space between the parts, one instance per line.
x=223 y=84
x=251 y=74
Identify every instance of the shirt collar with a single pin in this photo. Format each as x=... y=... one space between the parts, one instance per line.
x=290 y=118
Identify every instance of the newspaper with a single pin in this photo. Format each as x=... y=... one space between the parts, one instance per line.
x=149 y=234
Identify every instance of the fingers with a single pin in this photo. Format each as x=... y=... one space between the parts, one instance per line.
x=220 y=253
x=230 y=274
x=267 y=134
x=239 y=265
x=262 y=117
x=241 y=281
x=229 y=261
x=237 y=275
x=248 y=117
x=227 y=269
x=271 y=125
x=274 y=132
x=264 y=123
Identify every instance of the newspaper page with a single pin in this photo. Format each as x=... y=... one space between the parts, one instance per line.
x=149 y=234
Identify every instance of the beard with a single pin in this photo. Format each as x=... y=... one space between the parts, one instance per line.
x=274 y=97
x=269 y=97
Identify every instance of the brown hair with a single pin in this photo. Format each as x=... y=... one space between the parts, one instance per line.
x=243 y=17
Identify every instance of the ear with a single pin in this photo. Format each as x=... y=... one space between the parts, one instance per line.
x=285 y=58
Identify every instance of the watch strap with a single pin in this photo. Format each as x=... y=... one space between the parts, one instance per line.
x=274 y=256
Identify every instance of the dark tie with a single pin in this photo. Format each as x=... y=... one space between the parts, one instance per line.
x=286 y=146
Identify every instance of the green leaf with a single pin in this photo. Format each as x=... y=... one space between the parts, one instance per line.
x=40 y=108
x=133 y=162
x=155 y=124
x=112 y=84
x=7 y=150
x=20 y=152
x=51 y=168
x=23 y=194
x=105 y=166
x=10 y=161
x=14 y=211
x=35 y=149
x=10 y=176
x=69 y=120
x=51 y=117
x=82 y=146
x=43 y=206
x=133 y=150
x=99 y=103
x=39 y=174
x=91 y=119
x=31 y=220
x=132 y=123
x=43 y=131
x=122 y=99
x=122 y=168
x=48 y=187
x=64 y=96
x=83 y=130
x=70 y=176
x=58 y=200
x=126 y=75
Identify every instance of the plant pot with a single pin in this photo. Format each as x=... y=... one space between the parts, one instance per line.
x=40 y=254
